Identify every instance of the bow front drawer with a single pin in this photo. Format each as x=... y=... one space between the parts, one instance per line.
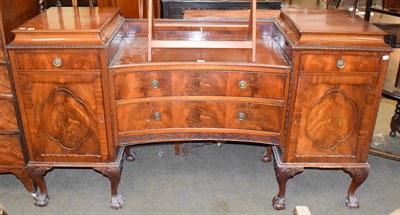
x=56 y=60
x=200 y=83
x=339 y=63
x=199 y=114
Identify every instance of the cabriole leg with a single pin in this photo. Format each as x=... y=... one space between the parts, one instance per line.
x=114 y=175
x=37 y=174
x=25 y=178
x=359 y=175
x=283 y=174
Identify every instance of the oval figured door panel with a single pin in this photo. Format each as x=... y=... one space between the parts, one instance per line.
x=66 y=119
x=330 y=120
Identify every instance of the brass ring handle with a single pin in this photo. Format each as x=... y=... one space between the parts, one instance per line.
x=340 y=64
x=57 y=62
x=241 y=116
x=242 y=84
x=156 y=115
x=155 y=84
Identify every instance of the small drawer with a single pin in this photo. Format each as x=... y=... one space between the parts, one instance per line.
x=8 y=120
x=199 y=83
x=4 y=80
x=199 y=114
x=11 y=151
x=339 y=63
x=43 y=61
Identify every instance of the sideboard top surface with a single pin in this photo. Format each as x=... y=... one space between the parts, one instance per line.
x=332 y=28
x=69 y=19
x=303 y=28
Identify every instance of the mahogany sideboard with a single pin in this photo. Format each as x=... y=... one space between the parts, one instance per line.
x=86 y=90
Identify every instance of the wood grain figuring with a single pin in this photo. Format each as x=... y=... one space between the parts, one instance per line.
x=199 y=114
x=331 y=120
x=199 y=83
x=329 y=113
x=11 y=152
x=15 y=13
x=4 y=80
x=327 y=63
x=312 y=92
x=79 y=26
x=43 y=61
x=8 y=120
x=13 y=156
x=65 y=117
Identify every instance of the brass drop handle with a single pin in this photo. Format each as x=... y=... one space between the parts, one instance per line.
x=155 y=84
x=340 y=64
x=242 y=84
x=241 y=116
x=57 y=62
x=156 y=115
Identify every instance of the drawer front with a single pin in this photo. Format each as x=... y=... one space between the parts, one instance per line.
x=4 y=80
x=199 y=114
x=199 y=83
x=11 y=151
x=339 y=63
x=8 y=120
x=43 y=61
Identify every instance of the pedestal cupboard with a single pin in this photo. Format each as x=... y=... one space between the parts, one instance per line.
x=307 y=89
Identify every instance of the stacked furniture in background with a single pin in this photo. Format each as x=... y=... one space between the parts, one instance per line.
x=13 y=153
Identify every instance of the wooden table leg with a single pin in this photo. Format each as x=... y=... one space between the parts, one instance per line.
x=359 y=176
x=37 y=174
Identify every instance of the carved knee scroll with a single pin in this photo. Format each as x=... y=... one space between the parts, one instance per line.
x=359 y=175
x=114 y=175
x=37 y=173
x=283 y=174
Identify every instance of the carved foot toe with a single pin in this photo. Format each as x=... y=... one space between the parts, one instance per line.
x=117 y=202
x=352 y=202
x=130 y=156
x=42 y=200
x=278 y=203
x=266 y=158
x=35 y=196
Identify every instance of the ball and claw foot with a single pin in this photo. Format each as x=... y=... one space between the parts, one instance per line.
x=392 y=133
x=35 y=196
x=265 y=157
x=129 y=155
x=352 y=202
x=41 y=200
x=117 y=202
x=278 y=203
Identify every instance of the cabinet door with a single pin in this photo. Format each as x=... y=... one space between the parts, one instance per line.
x=64 y=116
x=332 y=118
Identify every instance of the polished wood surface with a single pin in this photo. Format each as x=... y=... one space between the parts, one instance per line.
x=14 y=13
x=62 y=91
x=13 y=156
x=87 y=91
